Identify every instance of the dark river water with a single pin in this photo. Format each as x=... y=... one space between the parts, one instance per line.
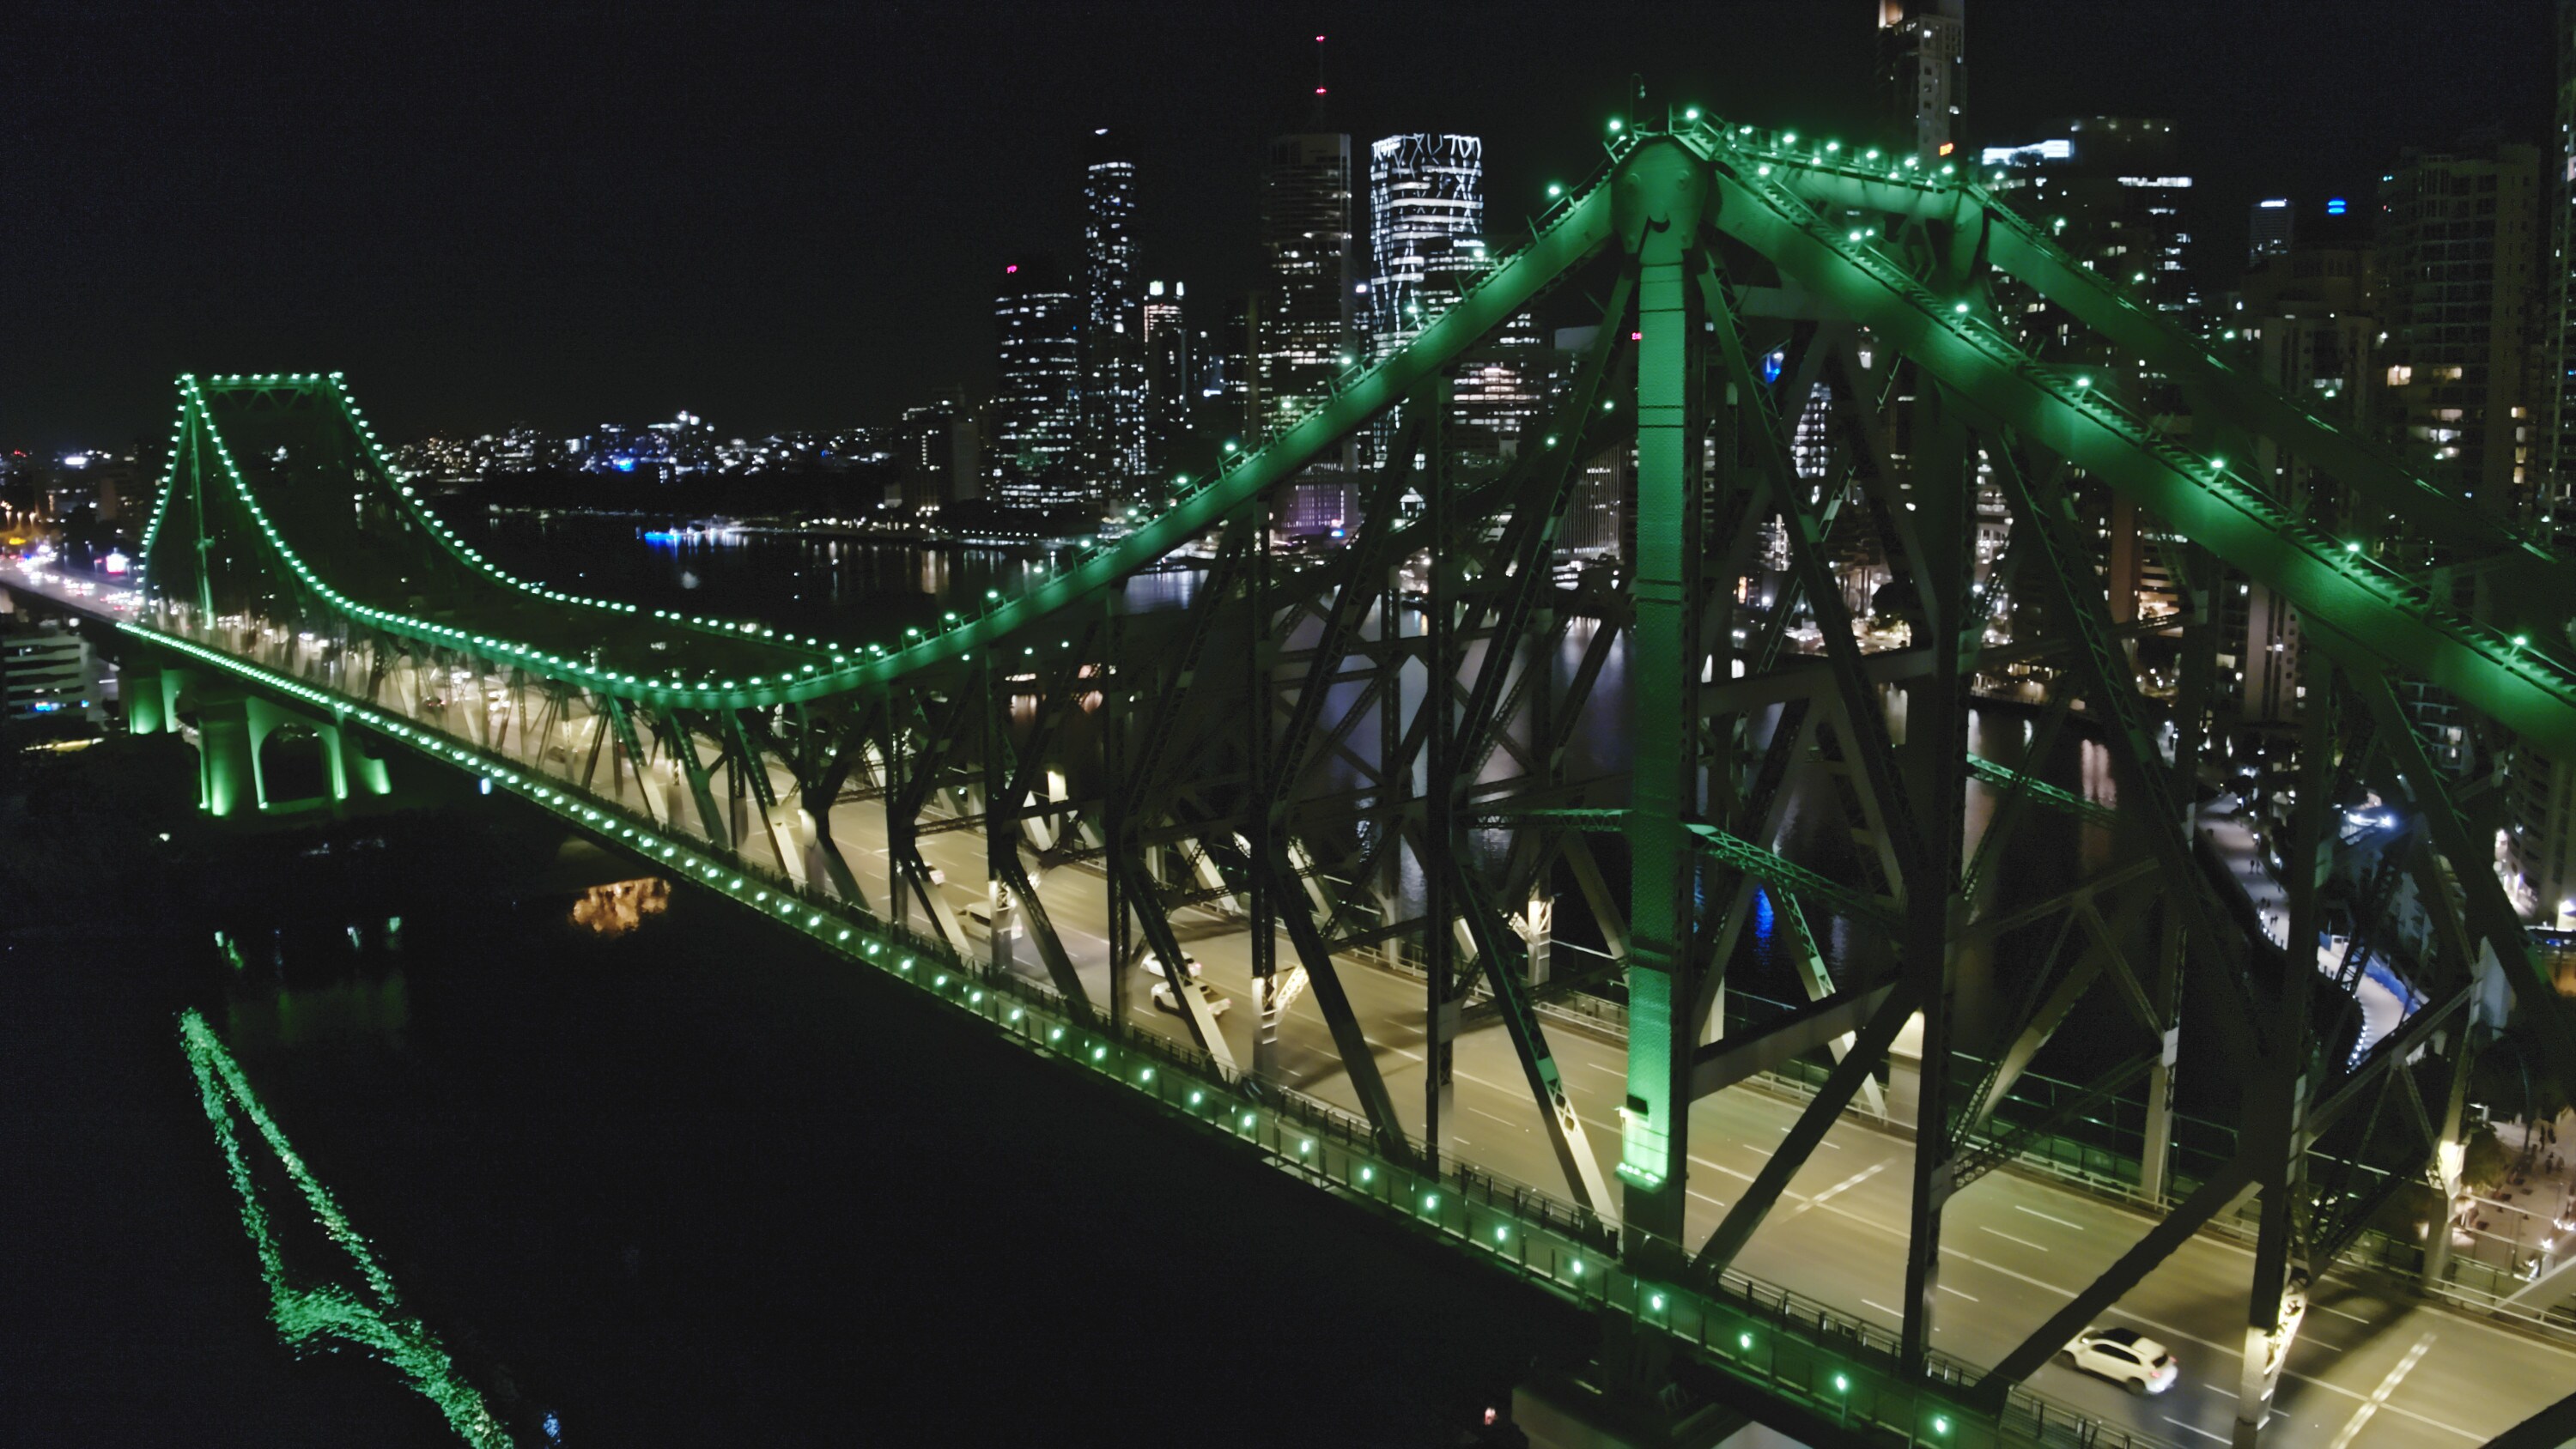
x=686 y=1183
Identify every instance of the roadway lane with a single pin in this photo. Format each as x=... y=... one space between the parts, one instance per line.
x=2372 y=1366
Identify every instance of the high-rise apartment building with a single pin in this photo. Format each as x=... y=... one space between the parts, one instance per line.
x=1921 y=47
x=1113 y=326
x=1304 y=308
x=2557 y=502
x=2459 y=246
x=2269 y=230
x=2112 y=194
x=1037 y=320
x=2308 y=319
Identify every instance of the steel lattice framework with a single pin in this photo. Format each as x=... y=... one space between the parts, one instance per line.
x=1365 y=752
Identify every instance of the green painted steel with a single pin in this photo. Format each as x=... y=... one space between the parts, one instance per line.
x=1760 y=202
x=1836 y=1369
x=1659 y=194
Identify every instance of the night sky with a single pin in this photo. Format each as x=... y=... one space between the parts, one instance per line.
x=789 y=216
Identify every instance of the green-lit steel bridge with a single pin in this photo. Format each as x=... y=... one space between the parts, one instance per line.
x=1342 y=780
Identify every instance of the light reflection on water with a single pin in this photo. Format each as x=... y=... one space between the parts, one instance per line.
x=621 y=906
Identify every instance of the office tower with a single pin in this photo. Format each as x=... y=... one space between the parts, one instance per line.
x=1113 y=344
x=1920 y=49
x=2274 y=223
x=1498 y=393
x=1037 y=322
x=1426 y=231
x=1303 y=311
x=2459 y=251
x=1170 y=390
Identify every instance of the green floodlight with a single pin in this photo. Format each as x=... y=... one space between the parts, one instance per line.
x=1615 y=125
x=1555 y=189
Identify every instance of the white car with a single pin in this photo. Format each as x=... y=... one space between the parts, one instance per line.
x=2125 y=1357
x=1164 y=1000
x=1154 y=965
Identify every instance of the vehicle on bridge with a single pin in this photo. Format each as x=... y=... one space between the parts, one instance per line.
x=2125 y=1357
x=1164 y=1000
x=1189 y=963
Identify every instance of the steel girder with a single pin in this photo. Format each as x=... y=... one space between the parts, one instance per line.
x=1714 y=254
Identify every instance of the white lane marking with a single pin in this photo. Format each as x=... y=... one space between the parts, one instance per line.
x=2009 y=1238
x=1613 y=1071
x=1971 y=1297
x=1881 y=1307
x=2195 y=1428
x=2034 y=1212
x=1828 y=1143
x=1704 y=1197
x=2387 y=1386
x=1855 y=1180
x=2339 y=1313
x=1490 y=1117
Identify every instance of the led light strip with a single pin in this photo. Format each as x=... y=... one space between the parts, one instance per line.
x=1734 y=1330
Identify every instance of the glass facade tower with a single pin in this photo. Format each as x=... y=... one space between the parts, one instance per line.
x=1037 y=321
x=1304 y=317
x=1113 y=325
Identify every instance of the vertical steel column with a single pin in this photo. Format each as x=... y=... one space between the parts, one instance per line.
x=1659 y=201
x=1114 y=786
x=1944 y=489
x=1001 y=816
x=898 y=821
x=1394 y=785
x=2447 y=1157
x=2155 y=1155
x=1258 y=653
x=2277 y=1115
x=1439 y=791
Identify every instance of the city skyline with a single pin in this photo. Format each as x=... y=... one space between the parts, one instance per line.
x=584 y=309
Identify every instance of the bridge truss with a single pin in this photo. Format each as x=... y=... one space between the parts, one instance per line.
x=1807 y=368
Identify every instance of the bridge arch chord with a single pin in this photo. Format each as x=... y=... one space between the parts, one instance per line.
x=1212 y=763
x=1914 y=274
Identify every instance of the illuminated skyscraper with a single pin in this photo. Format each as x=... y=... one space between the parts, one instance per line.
x=1304 y=320
x=1113 y=344
x=1426 y=231
x=1037 y=321
x=2274 y=225
x=1170 y=391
